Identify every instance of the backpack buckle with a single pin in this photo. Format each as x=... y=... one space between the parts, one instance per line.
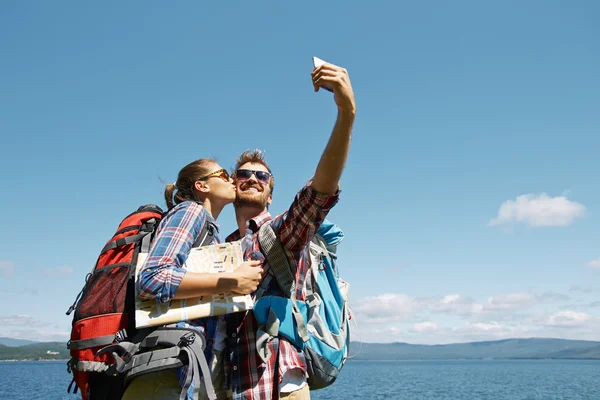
x=187 y=339
x=120 y=336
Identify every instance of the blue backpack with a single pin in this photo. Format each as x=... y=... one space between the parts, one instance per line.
x=318 y=326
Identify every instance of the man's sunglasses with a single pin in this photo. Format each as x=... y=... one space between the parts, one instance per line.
x=220 y=173
x=243 y=174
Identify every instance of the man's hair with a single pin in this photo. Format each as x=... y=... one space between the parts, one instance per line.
x=254 y=156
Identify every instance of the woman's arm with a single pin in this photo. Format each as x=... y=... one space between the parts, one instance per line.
x=163 y=277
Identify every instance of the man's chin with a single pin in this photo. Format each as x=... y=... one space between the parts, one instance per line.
x=248 y=201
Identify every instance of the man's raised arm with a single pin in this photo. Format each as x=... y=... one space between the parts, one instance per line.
x=333 y=159
x=310 y=207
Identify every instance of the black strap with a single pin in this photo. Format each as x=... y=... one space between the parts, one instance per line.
x=148 y=226
x=176 y=347
x=206 y=236
x=279 y=264
x=123 y=241
x=144 y=230
x=89 y=343
x=73 y=383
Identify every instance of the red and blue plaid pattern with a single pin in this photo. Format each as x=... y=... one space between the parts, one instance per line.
x=251 y=378
x=163 y=270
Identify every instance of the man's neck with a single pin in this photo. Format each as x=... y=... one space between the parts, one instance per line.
x=244 y=214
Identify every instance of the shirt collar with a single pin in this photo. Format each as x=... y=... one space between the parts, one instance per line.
x=253 y=223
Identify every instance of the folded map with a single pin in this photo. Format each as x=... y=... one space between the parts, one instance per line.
x=212 y=259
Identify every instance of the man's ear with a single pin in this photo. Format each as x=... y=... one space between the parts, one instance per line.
x=270 y=199
x=201 y=186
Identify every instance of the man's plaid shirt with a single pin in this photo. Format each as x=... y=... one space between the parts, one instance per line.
x=251 y=378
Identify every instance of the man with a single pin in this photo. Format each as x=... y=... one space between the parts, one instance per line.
x=283 y=375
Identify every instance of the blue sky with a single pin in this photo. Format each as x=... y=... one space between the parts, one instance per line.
x=470 y=200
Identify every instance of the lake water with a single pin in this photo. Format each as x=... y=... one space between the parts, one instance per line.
x=457 y=380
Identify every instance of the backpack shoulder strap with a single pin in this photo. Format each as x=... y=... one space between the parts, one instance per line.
x=278 y=261
x=206 y=236
x=279 y=267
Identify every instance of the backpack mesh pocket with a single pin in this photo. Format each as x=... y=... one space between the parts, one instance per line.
x=106 y=291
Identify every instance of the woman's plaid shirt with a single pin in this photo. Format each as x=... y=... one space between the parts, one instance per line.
x=163 y=270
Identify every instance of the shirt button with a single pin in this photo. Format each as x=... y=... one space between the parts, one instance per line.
x=235 y=368
x=233 y=335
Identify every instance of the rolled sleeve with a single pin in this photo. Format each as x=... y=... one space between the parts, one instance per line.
x=160 y=282
x=305 y=216
x=322 y=200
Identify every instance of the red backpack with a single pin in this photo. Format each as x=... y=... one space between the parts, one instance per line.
x=104 y=309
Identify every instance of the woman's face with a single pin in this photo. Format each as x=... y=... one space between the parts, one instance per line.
x=221 y=185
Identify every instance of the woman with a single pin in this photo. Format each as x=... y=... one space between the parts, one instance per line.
x=201 y=191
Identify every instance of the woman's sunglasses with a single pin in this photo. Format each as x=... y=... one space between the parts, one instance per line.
x=220 y=173
x=243 y=174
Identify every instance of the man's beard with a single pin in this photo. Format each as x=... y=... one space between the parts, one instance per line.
x=254 y=200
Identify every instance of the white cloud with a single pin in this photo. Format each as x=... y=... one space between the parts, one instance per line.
x=391 y=307
x=21 y=320
x=7 y=269
x=571 y=325
x=426 y=326
x=451 y=299
x=491 y=326
x=491 y=330
x=455 y=304
x=430 y=332
x=522 y=300
x=510 y=301
x=538 y=210
x=395 y=317
x=567 y=319
x=385 y=308
x=594 y=264
x=59 y=272
x=38 y=335
x=369 y=333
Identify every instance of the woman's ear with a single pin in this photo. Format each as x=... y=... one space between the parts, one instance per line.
x=201 y=187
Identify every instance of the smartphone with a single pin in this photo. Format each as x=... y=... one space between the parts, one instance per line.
x=316 y=63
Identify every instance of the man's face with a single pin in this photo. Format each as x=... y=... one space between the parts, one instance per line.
x=251 y=190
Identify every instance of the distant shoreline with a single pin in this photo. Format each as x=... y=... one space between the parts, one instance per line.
x=507 y=349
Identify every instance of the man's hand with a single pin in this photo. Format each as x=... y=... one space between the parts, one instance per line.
x=332 y=162
x=338 y=80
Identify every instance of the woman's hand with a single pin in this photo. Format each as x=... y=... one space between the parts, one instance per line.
x=248 y=276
